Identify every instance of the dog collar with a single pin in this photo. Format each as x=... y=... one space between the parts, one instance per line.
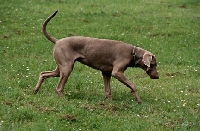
x=134 y=54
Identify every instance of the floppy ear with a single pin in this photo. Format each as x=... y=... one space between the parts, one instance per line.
x=147 y=58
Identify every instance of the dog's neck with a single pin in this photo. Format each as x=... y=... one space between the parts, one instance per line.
x=137 y=56
x=134 y=55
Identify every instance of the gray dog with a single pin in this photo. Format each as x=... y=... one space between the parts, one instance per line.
x=109 y=56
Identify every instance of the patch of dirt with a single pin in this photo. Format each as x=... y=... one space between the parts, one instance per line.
x=45 y=109
x=183 y=6
x=68 y=117
x=8 y=103
x=160 y=34
x=173 y=74
x=110 y=107
x=91 y=108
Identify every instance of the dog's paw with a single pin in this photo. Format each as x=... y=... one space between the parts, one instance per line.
x=35 y=91
x=139 y=102
x=109 y=98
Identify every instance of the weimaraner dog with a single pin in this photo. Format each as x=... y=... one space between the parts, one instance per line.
x=111 y=57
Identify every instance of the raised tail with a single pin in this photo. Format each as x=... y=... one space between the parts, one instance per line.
x=52 y=39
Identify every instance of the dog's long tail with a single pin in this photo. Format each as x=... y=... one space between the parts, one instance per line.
x=52 y=39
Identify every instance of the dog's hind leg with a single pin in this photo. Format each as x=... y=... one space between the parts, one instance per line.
x=65 y=71
x=44 y=75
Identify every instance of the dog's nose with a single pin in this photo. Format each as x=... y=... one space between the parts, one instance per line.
x=153 y=74
x=154 y=77
x=157 y=77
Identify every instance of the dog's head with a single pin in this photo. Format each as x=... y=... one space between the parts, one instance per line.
x=147 y=62
x=149 y=65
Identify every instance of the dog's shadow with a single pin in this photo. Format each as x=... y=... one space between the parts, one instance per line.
x=117 y=96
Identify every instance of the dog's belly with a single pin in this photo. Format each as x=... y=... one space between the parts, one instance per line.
x=103 y=66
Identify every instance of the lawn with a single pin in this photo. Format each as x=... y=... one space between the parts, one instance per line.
x=169 y=29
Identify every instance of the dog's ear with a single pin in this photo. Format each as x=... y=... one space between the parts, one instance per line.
x=147 y=58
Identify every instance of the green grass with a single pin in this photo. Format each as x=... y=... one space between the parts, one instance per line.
x=169 y=29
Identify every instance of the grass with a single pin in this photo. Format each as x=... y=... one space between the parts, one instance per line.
x=169 y=29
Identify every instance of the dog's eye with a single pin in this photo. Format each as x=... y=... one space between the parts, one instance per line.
x=153 y=65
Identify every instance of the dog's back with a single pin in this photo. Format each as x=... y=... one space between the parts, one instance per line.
x=100 y=54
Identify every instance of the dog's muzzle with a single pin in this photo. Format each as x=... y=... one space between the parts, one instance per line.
x=153 y=74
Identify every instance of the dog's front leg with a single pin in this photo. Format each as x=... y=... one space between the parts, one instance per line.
x=120 y=76
x=106 y=79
